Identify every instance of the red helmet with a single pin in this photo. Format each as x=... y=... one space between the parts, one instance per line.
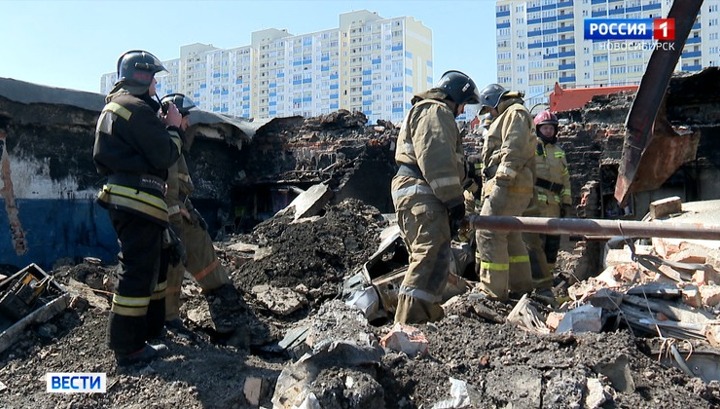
x=545 y=117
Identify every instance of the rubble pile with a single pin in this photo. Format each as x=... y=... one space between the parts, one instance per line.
x=315 y=251
x=632 y=324
x=325 y=353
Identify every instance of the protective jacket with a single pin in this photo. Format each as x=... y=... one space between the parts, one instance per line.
x=553 y=179
x=133 y=150
x=508 y=152
x=429 y=153
x=179 y=186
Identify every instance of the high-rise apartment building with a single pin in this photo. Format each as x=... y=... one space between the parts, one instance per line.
x=541 y=42
x=369 y=64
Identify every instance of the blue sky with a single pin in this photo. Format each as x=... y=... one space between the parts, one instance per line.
x=70 y=44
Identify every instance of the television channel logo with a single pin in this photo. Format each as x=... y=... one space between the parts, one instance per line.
x=76 y=382
x=658 y=29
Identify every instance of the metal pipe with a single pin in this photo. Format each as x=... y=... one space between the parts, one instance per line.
x=595 y=227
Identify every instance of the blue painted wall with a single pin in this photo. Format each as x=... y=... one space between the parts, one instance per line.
x=59 y=228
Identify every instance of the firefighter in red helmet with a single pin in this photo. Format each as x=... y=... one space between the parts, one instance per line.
x=552 y=187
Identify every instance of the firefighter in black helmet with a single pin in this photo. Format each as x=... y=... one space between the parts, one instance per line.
x=427 y=192
x=201 y=260
x=134 y=147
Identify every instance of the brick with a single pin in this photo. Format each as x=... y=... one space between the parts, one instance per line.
x=407 y=339
x=691 y=296
x=705 y=277
x=664 y=207
x=695 y=255
x=710 y=295
x=553 y=320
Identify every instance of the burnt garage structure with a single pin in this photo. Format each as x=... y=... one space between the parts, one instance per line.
x=245 y=171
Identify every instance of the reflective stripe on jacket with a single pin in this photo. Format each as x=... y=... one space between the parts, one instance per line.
x=179 y=184
x=509 y=148
x=429 y=140
x=133 y=144
x=551 y=165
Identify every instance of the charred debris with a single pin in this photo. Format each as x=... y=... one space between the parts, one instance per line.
x=302 y=216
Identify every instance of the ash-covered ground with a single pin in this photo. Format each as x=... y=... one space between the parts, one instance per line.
x=503 y=366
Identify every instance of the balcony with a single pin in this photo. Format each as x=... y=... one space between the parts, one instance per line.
x=692 y=68
x=691 y=54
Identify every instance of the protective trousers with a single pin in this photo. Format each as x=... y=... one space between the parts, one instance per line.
x=551 y=242
x=202 y=263
x=426 y=229
x=543 y=248
x=138 y=306
x=542 y=271
x=175 y=275
x=502 y=261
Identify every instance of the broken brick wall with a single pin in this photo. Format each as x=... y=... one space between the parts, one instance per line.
x=48 y=180
x=47 y=185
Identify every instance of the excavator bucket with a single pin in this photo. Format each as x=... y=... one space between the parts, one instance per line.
x=652 y=150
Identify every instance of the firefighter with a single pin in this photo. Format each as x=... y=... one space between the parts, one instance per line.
x=552 y=186
x=134 y=147
x=508 y=159
x=186 y=221
x=427 y=192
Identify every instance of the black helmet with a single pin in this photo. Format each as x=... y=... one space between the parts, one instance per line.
x=459 y=87
x=137 y=68
x=490 y=96
x=184 y=104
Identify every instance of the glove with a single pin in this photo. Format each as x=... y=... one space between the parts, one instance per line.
x=565 y=210
x=457 y=216
x=173 y=245
x=199 y=219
